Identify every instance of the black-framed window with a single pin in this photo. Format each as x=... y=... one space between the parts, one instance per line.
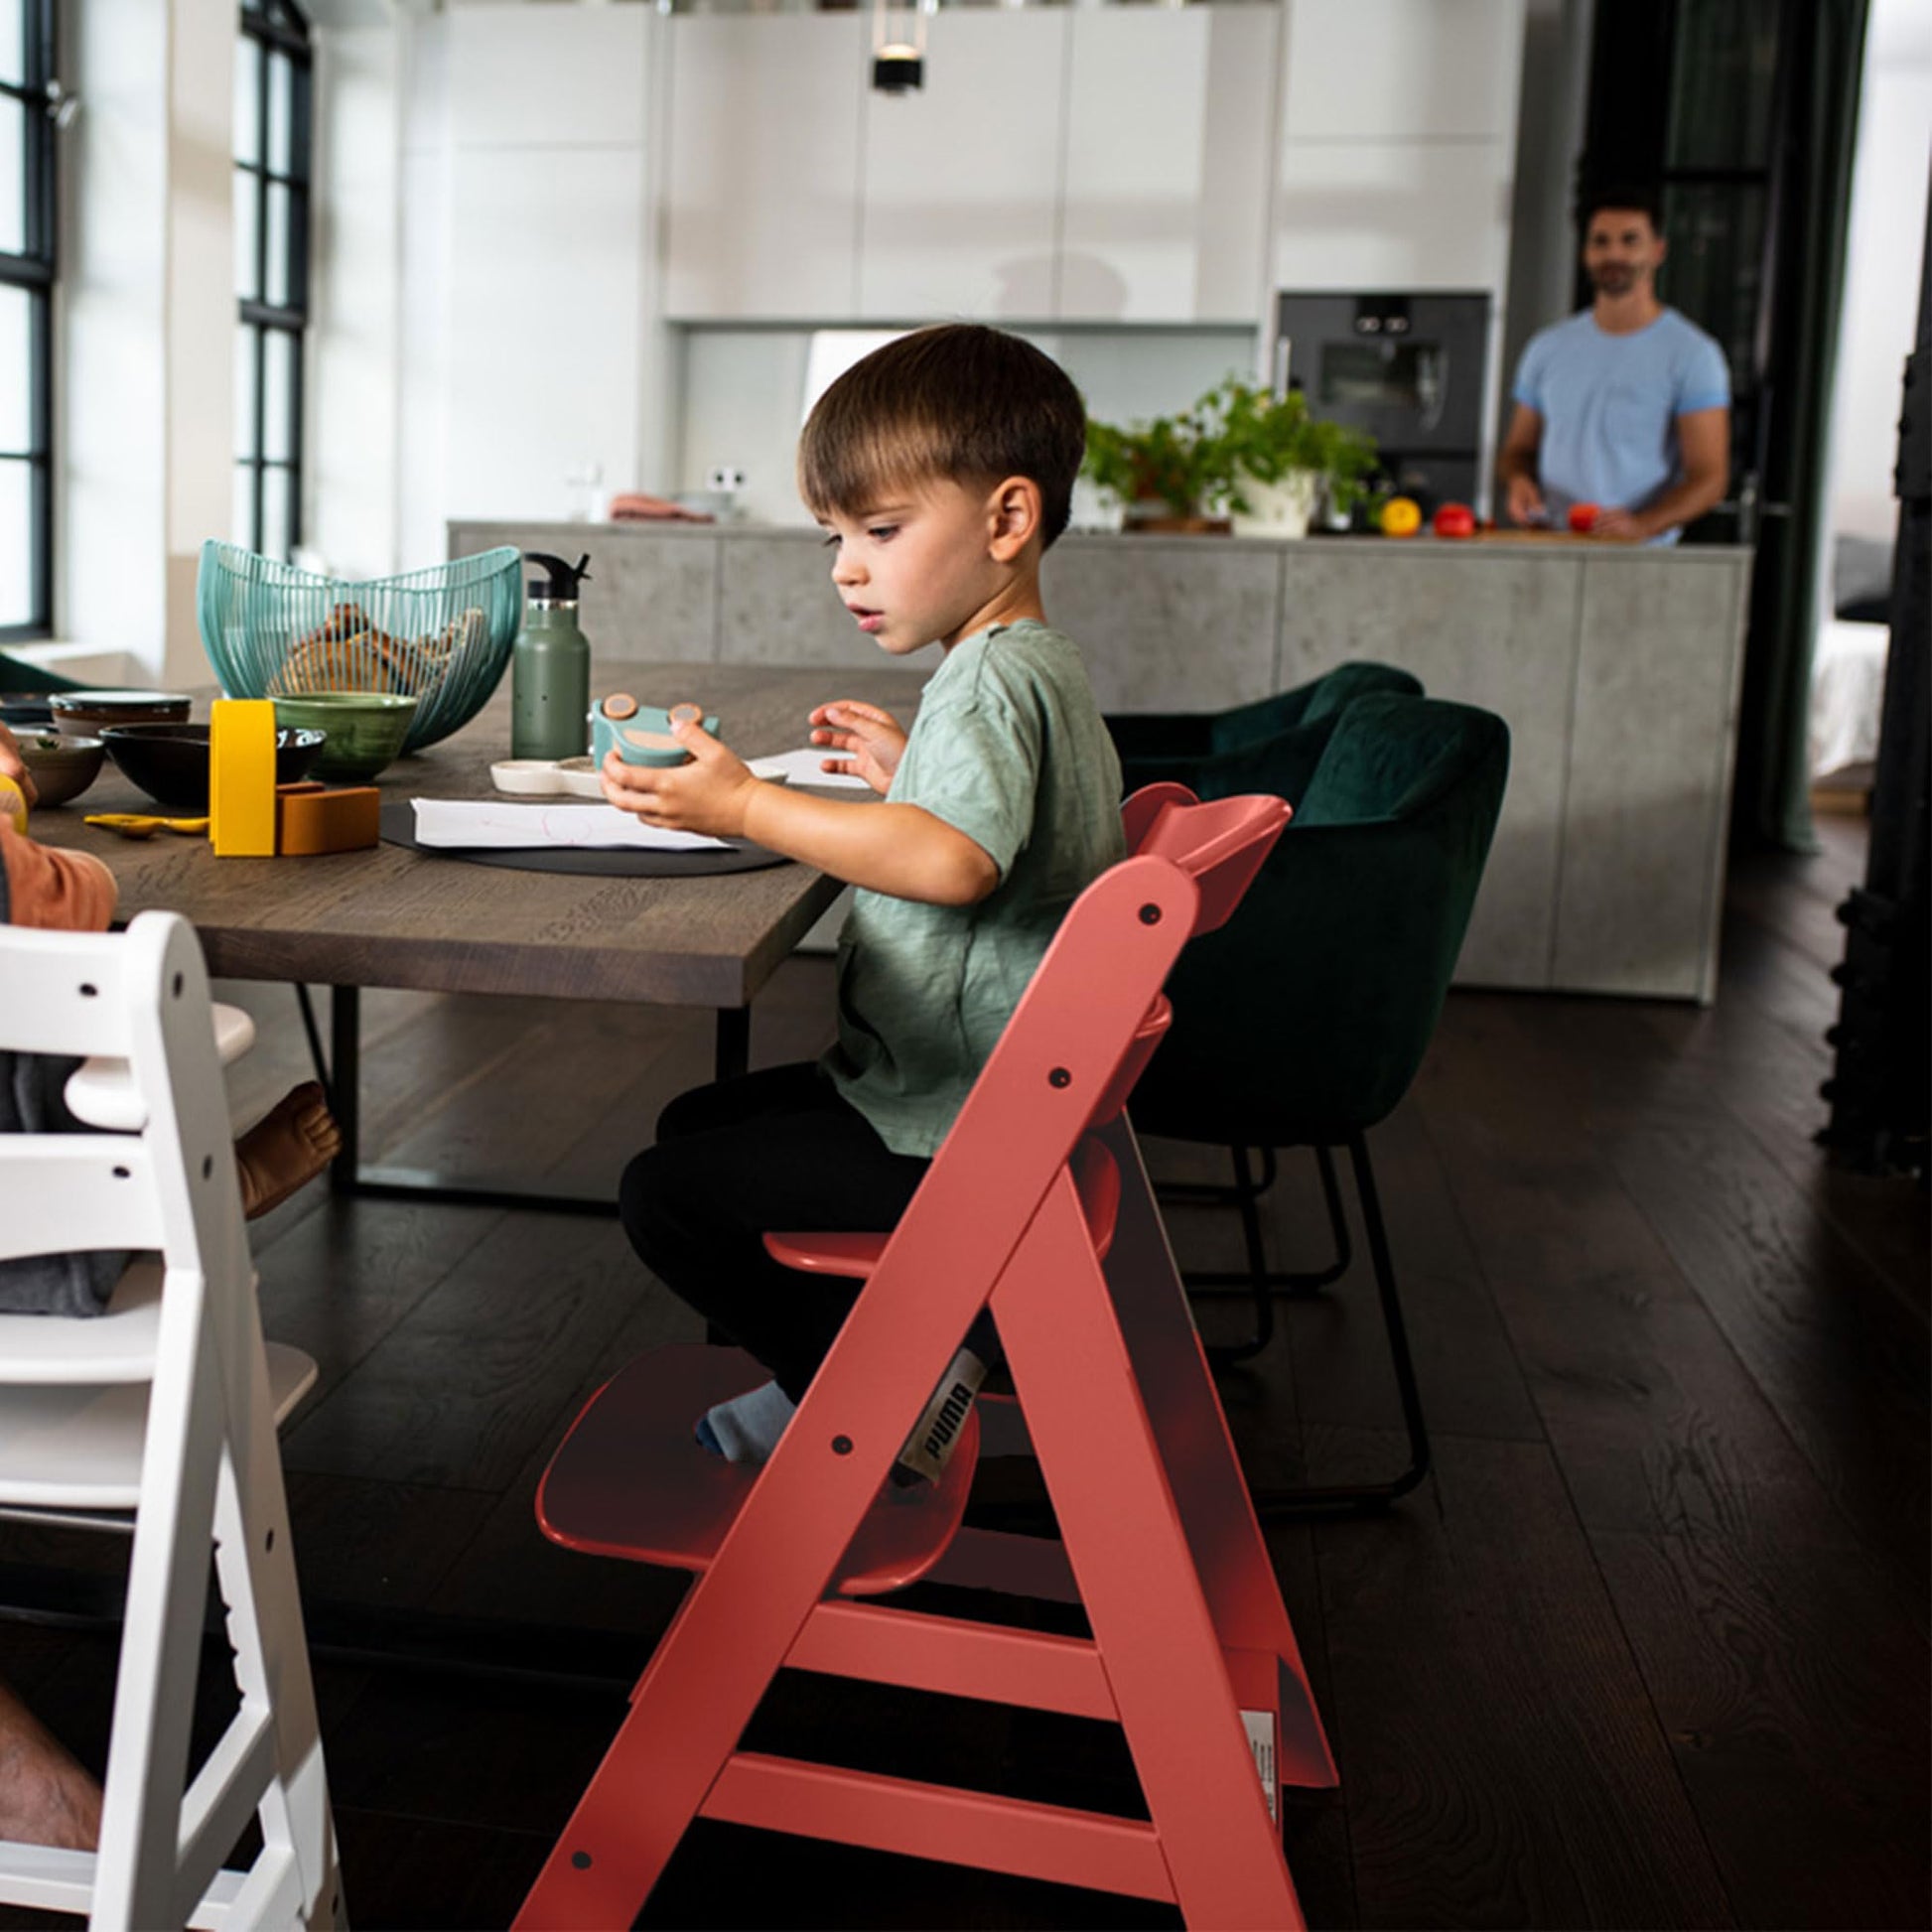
x=273 y=145
x=28 y=226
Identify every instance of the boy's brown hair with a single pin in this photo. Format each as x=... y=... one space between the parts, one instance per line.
x=966 y=403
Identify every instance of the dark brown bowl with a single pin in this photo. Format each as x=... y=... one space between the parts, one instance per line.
x=83 y=714
x=170 y=762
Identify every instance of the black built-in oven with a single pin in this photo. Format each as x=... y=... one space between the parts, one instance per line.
x=1407 y=368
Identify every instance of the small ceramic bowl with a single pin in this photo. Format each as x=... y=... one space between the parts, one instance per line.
x=365 y=729
x=83 y=714
x=61 y=768
x=170 y=762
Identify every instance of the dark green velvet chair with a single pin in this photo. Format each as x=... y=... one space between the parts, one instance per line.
x=1271 y=745
x=16 y=675
x=1302 y=1022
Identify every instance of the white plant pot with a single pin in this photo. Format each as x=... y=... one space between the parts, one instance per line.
x=1280 y=509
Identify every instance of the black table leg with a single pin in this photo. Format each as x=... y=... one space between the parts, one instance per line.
x=348 y=1175
x=733 y=1054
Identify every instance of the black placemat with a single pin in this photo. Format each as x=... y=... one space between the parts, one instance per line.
x=610 y=862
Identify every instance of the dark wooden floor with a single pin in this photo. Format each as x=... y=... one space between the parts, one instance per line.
x=1649 y=1650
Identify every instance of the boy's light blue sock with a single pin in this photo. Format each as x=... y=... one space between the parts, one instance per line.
x=748 y=1427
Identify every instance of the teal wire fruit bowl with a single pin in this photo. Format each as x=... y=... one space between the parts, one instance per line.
x=439 y=636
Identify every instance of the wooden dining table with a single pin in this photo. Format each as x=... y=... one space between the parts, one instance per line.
x=397 y=918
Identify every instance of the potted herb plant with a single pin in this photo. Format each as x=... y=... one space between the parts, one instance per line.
x=1279 y=460
x=1241 y=452
x=1166 y=471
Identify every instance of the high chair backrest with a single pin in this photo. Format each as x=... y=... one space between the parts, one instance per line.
x=141 y=997
x=1091 y=1015
x=1220 y=845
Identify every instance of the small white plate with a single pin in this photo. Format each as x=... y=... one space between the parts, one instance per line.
x=578 y=777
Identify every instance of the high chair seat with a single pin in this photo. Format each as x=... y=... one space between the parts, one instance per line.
x=1096 y=1177
x=631 y=1481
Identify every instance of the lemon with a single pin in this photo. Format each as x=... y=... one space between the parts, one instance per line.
x=1401 y=516
x=13 y=805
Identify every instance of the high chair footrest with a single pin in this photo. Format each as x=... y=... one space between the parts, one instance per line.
x=852 y=1255
x=631 y=1481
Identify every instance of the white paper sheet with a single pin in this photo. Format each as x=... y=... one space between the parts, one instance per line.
x=801 y=769
x=455 y=822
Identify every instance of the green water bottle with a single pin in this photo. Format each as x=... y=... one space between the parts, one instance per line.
x=550 y=665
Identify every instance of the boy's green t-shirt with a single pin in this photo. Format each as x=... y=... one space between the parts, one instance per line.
x=1010 y=749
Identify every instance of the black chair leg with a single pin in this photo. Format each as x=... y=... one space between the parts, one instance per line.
x=1246 y=1194
x=1361 y=1499
x=1258 y=1280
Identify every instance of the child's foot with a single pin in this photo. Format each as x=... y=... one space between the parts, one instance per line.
x=286 y=1150
x=46 y=1798
x=748 y=1427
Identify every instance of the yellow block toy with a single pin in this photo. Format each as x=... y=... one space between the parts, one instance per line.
x=241 y=777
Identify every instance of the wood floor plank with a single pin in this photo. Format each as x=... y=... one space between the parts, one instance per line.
x=1502 y=1763
x=339 y=1281
x=379 y=1543
x=1682 y=1353
x=1794 y=1694
x=1844 y=1366
x=468 y=1379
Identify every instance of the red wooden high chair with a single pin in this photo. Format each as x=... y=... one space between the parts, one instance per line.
x=1038 y=1203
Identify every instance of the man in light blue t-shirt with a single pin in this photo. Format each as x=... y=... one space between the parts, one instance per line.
x=1626 y=405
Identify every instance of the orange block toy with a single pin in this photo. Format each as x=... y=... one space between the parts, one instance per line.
x=310 y=819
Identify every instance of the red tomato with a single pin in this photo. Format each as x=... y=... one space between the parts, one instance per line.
x=1583 y=517
x=1455 y=520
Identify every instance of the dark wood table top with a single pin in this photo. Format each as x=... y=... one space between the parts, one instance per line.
x=399 y=918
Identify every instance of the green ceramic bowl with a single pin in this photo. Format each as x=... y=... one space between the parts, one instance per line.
x=365 y=729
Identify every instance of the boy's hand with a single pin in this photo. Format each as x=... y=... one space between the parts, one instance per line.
x=14 y=766
x=707 y=795
x=868 y=741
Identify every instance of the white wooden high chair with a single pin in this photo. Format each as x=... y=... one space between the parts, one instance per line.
x=164 y=1406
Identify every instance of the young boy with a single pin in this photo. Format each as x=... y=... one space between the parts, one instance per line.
x=942 y=467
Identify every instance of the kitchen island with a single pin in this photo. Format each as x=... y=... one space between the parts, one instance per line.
x=1616 y=668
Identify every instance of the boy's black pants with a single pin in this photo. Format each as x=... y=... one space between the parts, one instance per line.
x=769 y=1150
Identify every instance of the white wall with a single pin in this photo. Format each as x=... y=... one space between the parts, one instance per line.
x=351 y=480
x=1882 y=267
x=742 y=394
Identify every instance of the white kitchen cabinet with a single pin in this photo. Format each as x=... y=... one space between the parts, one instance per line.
x=1403 y=69
x=961 y=177
x=546 y=254
x=761 y=176
x=1393 y=214
x=547 y=77
x=1170 y=124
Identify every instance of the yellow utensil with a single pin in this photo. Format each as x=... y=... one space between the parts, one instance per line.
x=141 y=825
